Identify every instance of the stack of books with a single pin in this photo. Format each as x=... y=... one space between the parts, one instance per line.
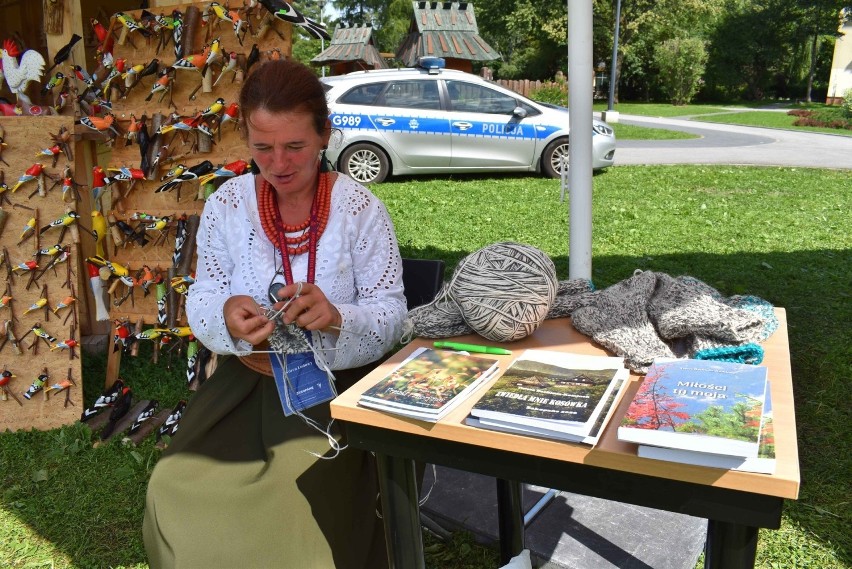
x=554 y=395
x=429 y=384
x=707 y=413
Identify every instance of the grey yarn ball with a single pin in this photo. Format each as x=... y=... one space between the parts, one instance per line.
x=505 y=290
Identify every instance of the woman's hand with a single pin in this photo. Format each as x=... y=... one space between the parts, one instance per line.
x=308 y=307
x=245 y=321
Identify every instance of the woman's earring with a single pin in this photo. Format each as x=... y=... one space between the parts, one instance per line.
x=325 y=165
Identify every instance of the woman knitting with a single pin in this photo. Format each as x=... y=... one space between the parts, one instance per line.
x=299 y=278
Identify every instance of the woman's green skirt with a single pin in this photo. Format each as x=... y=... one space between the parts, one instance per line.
x=238 y=487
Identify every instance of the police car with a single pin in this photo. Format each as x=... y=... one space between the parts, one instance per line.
x=428 y=119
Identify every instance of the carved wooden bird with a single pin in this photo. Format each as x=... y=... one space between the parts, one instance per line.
x=64 y=52
x=18 y=74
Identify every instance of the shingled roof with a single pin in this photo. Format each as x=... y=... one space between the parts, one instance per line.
x=444 y=29
x=352 y=45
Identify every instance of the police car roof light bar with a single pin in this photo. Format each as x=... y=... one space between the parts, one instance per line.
x=432 y=64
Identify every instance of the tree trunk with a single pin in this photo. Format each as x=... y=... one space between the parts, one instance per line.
x=812 y=69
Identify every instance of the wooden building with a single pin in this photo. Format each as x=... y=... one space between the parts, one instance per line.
x=351 y=49
x=447 y=30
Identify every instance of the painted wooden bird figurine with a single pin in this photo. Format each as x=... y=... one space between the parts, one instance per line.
x=100 y=228
x=69 y=218
x=99 y=30
x=120 y=408
x=64 y=303
x=215 y=109
x=105 y=399
x=36 y=386
x=285 y=12
x=187 y=175
x=64 y=52
x=40 y=303
x=99 y=124
x=55 y=82
x=170 y=426
x=18 y=74
x=162 y=85
x=229 y=67
x=230 y=114
x=32 y=173
x=145 y=414
x=131 y=24
x=235 y=168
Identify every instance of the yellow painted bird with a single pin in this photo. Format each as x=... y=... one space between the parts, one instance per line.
x=131 y=24
x=214 y=109
x=100 y=228
x=64 y=221
x=40 y=303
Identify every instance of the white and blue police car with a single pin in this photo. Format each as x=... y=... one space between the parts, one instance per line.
x=428 y=120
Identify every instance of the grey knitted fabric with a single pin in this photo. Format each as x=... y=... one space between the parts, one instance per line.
x=570 y=295
x=618 y=320
x=653 y=315
x=685 y=306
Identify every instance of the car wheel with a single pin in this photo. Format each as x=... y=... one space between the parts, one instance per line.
x=553 y=157
x=365 y=163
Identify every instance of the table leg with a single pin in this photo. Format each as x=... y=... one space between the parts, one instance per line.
x=400 y=512
x=730 y=546
x=510 y=515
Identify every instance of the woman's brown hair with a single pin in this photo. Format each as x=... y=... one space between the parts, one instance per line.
x=284 y=85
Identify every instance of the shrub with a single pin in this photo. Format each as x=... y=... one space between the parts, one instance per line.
x=555 y=94
x=846 y=105
x=681 y=62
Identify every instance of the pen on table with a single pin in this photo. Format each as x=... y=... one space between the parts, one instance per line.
x=475 y=348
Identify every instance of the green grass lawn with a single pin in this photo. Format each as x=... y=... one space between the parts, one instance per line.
x=778 y=233
x=735 y=114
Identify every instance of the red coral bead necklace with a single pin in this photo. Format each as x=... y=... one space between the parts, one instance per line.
x=311 y=229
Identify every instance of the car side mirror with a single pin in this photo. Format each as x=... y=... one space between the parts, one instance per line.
x=520 y=112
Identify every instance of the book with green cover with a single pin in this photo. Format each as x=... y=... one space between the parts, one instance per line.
x=592 y=438
x=429 y=383
x=553 y=391
x=698 y=405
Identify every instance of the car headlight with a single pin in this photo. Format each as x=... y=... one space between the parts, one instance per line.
x=602 y=128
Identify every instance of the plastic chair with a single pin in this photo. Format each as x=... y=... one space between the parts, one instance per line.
x=422 y=279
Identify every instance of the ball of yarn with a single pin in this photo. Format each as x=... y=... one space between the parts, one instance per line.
x=505 y=290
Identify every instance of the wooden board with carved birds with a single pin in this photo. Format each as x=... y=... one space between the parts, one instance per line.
x=176 y=139
x=41 y=228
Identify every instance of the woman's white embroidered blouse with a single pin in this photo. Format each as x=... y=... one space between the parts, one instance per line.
x=358 y=268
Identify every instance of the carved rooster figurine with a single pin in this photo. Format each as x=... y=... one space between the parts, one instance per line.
x=19 y=74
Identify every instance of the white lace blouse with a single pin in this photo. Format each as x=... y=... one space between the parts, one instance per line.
x=358 y=268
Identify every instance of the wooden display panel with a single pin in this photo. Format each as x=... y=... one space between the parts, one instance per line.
x=190 y=94
x=25 y=137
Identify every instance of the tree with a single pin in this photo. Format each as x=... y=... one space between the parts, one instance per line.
x=681 y=62
x=818 y=19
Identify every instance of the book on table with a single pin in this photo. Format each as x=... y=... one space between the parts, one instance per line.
x=553 y=395
x=763 y=463
x=429 y=384
x=698 y=405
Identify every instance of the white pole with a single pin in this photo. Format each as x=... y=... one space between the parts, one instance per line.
x=322 y=41
x=580 y=74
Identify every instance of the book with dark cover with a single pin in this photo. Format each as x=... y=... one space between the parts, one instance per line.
x=698 y=405
x=429 y=383
x=551 y=391
x=763 y=463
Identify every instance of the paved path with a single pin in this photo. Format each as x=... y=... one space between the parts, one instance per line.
x=733 y=144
